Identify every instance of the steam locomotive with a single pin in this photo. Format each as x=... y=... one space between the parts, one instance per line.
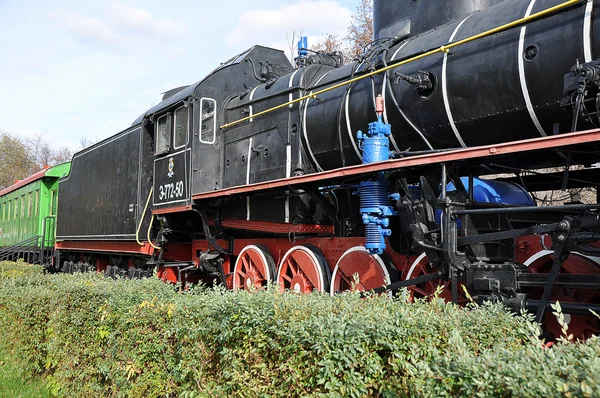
x=413 y=166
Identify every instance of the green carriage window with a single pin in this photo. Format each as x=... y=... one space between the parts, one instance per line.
x=22 y=207
x=53 y=202
x=29 y=204
x=181 y=127
x=16 y=208
x=37 y=202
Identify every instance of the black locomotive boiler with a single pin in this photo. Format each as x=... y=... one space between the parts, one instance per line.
x=413 y=166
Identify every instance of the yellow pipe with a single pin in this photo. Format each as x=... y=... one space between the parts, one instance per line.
x=149 y=229
x=137 y=231
x=441 y=49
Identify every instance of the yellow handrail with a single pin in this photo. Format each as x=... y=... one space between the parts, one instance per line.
x=441 y=49
x=149 y=229
x=137 y=231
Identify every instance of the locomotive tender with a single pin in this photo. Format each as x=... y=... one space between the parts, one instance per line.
x=266 y=171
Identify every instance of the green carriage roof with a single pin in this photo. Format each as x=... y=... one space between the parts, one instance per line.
x=57 y=171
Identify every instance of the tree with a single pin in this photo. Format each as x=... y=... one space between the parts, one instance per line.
x=20 y=157
x=360 y=32
x=15 y=160
x=331 y=44
x=43 y=155
x=292 y=42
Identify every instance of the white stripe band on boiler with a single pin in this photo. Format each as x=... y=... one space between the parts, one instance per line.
x=445 y=85
x=386 y=87
x=248 y=158
x=523 y=78
x=248 y=177
x=587 y=31
x=307 y=102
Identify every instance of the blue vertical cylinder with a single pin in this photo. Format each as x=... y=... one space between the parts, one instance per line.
x=303 y=47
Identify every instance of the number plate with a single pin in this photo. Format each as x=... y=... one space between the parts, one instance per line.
x=170 y=179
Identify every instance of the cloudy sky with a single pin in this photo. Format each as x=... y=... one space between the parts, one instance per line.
x=73 y=69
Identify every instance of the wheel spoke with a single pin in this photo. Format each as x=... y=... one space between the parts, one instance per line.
x=291 y=267
x=245 y=265
x=345 y=278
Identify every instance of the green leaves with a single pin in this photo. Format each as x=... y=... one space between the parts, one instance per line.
x=93 y=336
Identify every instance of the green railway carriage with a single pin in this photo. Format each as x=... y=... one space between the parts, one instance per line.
x=28 y=214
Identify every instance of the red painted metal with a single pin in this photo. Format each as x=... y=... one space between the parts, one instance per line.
x=21 y=183
x=101 y=264
x=167 y=210
x=167 y=274
x=534 y=144
x=254 y=268
x=331 y=248
x=106 y=247
x=173 y=252
x=303 y=270
x=419 y=267
x=279 y=228
x=581 y=326
x=358 y=269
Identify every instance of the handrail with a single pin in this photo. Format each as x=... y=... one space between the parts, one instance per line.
x=441 y=49
x=137 y=231
x=27 y=246
x=150 y=230
x=20 y=244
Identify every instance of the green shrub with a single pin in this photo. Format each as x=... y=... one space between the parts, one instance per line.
x=12 y=269
x=93 y=336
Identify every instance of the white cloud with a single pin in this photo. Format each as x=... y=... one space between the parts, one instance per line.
x=88 y=28
x=121 y=27
x=269 y=26
x=143 y=21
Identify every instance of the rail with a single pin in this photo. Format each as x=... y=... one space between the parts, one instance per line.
x=441 y=49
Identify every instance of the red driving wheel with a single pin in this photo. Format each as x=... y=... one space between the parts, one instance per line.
x=421 y=267
x=361 y=269
x=581 y=326
x=254 y=268
x=303 y=269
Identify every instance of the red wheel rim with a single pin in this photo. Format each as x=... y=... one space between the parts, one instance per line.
x=581 y=326
x=421 y=267
x=303 y=269
x=167 y=275
x=357 y=261
x=254 y=268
